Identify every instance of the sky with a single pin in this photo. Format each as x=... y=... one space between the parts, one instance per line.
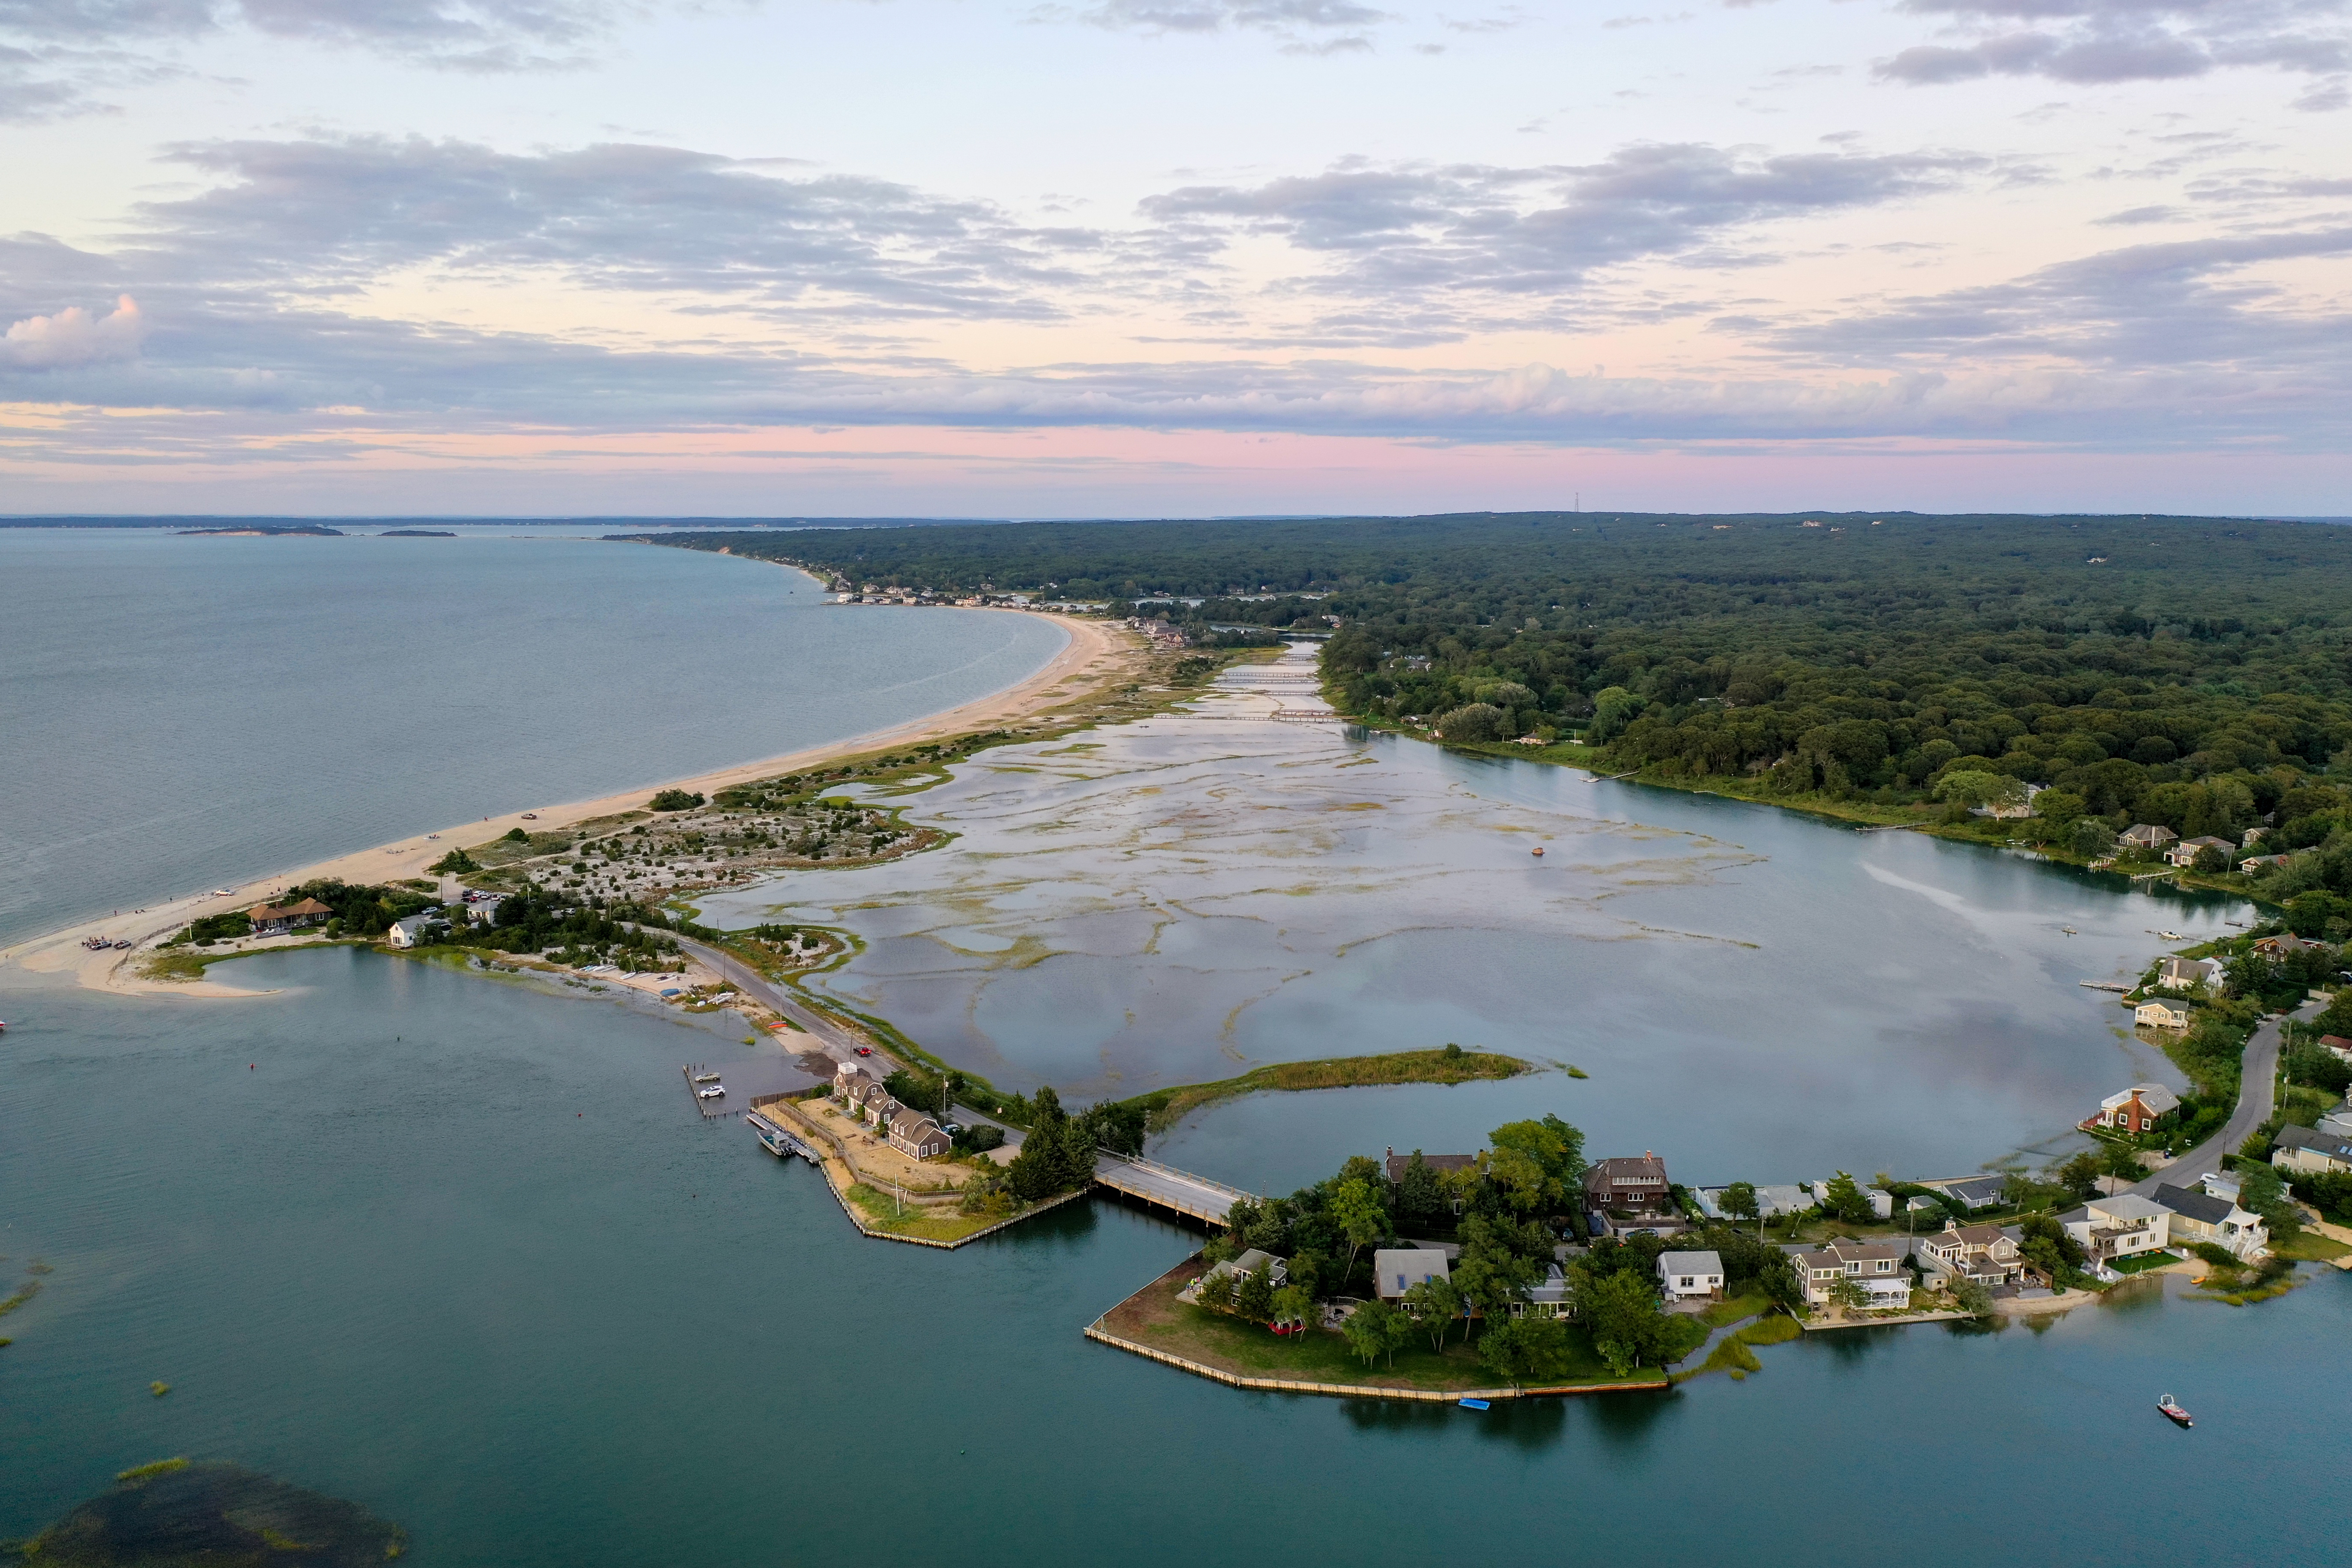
x=1156 y=258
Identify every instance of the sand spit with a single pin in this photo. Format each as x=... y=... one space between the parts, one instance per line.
x=1099 y=653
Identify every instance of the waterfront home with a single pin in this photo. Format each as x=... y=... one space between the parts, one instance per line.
x=1396 y=1270
x=2308 y=1151
x=917 y=1136
x=2251 y=837
x=2148 y=835
x=2184 y=974
x=2162 y=1012
x=2283 y=945
x=1398 y=1164
x=1548 y=1299
x=1691 y=1276
x=417 y=930
x=277 y=920
x=1972 y=1192
x=1277 y=1269
x=2123 y=1225
x=1877 y=1266
x=2202 y=1217
x=849 y=1077
x=1626 y=1196
x=2136 y=1109
x=1786 y=1197
x=2185 y=853
x=1984 y=1253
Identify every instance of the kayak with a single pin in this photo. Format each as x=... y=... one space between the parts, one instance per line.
x=1474 y=1405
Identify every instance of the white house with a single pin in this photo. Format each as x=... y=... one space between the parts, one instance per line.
x=1396 y=1270
x=2306 y=1152
x=416 y=929
x=2202 y=1217
x=2123 y=1225
x=1984 y=1253
x=1691 y=1276
x=1876 y=1266
x=1548 y=1299
x=2162 y=1012
x=2184 y=974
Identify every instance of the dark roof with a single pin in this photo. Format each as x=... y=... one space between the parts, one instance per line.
x=1645 y=1168
x=1977 y=1191
x=2318 y=1142
x=1399 y=1163
x=2194 y=1205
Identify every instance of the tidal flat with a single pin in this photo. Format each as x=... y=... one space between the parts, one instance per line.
x=1754 y=993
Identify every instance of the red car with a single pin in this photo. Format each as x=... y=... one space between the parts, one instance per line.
x=866 y=1050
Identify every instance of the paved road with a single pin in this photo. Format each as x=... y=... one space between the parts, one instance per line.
x=1180 y=1190
x=829 y=1037
x=2257 y=1098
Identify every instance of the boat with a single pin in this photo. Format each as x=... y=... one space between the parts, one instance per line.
x=1475 y=1405
x=2170 y=936
x=1538 y=851
x=2173 y=1413
x=2068 y=930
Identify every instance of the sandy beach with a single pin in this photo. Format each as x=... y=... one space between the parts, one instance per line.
x=1094 y=655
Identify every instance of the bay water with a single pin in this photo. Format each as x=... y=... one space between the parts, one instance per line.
x=461 y=1251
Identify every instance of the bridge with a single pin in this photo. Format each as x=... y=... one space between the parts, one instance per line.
x=1164 y=1186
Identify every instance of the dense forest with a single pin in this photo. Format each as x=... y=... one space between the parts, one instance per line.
x=2195 y=672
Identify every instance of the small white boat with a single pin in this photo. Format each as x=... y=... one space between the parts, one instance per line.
x=2068 y=930
x=2171 y=936
x=2173 y=1413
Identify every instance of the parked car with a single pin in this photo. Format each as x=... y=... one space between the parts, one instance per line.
x=715 y=1091
x=866 y=1050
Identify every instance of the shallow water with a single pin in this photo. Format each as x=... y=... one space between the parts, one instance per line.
x=462 y=1254
x=180 y=711
x=1755 y=993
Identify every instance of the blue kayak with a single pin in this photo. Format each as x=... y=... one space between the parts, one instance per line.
x=1474 y=1405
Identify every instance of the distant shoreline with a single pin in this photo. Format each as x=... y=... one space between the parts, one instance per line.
x=1091 y=653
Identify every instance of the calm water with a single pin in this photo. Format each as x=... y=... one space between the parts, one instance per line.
x=494 y=1280
x=1755 y=995
x=460 y=1250
x=183 y=711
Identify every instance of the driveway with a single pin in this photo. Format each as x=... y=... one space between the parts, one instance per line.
x=2257 y=1098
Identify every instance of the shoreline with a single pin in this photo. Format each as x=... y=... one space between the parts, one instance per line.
x=1094 y=648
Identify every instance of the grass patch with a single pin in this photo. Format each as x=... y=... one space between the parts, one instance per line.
x=1154 y=1317
x=2309 y=1246
x=884 y=1213
x=1778 y=1330
x=1166 y=1107
x=139 y=1474
x=2142 y=1263
x=25 y=1292
x=1733 y=1308
x=1730 y=1354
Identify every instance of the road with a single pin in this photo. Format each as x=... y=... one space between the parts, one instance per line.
x=1170 y=1188
x=2257 y=1098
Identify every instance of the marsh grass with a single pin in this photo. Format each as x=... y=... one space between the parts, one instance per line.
x=25 y=1292
x=1164 y=1107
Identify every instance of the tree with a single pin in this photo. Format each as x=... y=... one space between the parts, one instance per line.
x=2046 y=1243
x=454 y=863
x=1535 y=1162
x=2211 y=861
x=1216 y=1291
x=1253 y=1298
x=1420 y=1196
x=1517 y=1349
x=2121 y=1161
x=675 y=800
x=1435 y=1304
x=1361 y=1218
x=1740 y=1201
x=2091 y=837
x=1972 y=789
x=1292 y=1304
x=2080 y=1175
x=1974 y=1297
x=1778 y=1278
x=1847 y=1294
x=1371 y=1330
x=1843 y=1199
x=1621 y=1309
x=1473 y=723
x=2262 y=1191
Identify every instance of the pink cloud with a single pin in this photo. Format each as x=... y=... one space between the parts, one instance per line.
x=75 y=337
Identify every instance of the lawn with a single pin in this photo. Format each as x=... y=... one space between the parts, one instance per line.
x=1733 y=1309
x=2310 y=1247
x=882 y=1211
x=1154 y=1317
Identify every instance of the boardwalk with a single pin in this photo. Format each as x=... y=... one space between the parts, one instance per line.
x=1164 y=1186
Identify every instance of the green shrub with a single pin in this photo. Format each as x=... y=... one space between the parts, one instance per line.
x=675 y=800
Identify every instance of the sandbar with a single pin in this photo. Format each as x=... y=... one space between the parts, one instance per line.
x=1096 y=652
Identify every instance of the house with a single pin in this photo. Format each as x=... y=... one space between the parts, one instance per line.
x=1784 y=1198
x=1548 y=1299
x=1396 y=1270
x=2148 y=835
x=2286 y=945
x=1984 y=1253
x=2253 y=835
x=2202 y=1217
x=849 y=1077
x=2338 y=1121
x=277 y=920
x=2123 y=1225
x=917 y=1136
x=2185 y=973
x=2310 y=1152
x=1691 y=1276
x=2162 y=1012
x=2136 y=1109
x=2185 y=853
x=1625 y=1196
x=1877 y=1266
x=1398 y=1164
x=417 y=930
x=1247 y=1265
x=1973 y=1192
x=2337 y=1045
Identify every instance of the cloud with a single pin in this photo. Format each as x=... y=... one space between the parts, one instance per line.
x=73 y=338
x=1216 y=16
x=2095 y=42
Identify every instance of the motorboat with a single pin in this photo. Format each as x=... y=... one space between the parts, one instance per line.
x=2173 y=1413
x=1537 y=851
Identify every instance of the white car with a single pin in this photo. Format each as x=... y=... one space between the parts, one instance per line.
x=715 y=1091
